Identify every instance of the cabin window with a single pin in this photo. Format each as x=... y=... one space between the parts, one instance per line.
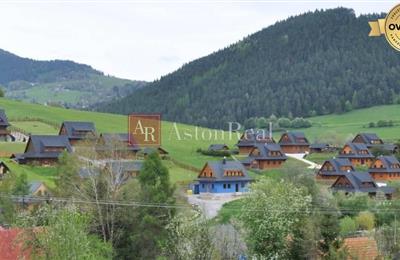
x=224 y=185
x=212 y=186
x=202 y=185
x=229 y=185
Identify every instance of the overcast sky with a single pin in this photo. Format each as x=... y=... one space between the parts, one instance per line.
x=143 y=40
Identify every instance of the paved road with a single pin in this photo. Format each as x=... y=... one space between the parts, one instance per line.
x=210 y=204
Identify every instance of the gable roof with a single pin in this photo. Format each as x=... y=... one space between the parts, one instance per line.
x=125 y=165
x=109 y=139
x=217 y=147
x=3 y=118
x=368 y=138
x=361 y=247
x=219 y=167
x=40 y=142
x=250 y=137
x=34 y=186
x=71 y=129
x=295 y=138
x=356 y=180
x=336 y=163
x=356 y=148
x=265 y=150
x=387 y=162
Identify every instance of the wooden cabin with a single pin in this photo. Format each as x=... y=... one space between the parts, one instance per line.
x=371 y=140
x=38 y=188
x=353 y=182
x=218 y=148
x=321 y=148
x=222 y=177
x=44 y=149
x=251 y=137
x=385 y=168
x=4 y=132
x=128 y=169
x=78 y=131
x=334 y=168
x=357 y=153
x=3 y=169
x=117 y=146
x=265 y=156
x=294 y=142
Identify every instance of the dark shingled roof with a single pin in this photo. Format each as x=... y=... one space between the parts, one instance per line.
x=72 y=128
x=109 y=139
x=336 y=163
x=295 y=138
x=3 y=118
x=219 y=167
x=40 y=142
x=368 y=138
x=265 y=150
x=356 y=180
x=251 y=137
x=356 y=148
x=125 y=166
x=388 y=164
x=319 y=146
x=217 y=147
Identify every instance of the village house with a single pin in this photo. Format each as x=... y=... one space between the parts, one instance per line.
x=294 y=142
x=117 y=145
x=251 y=137
x=371 y=140
x=4 y=132
x=357 y=153
x=321 y=148
x=364 y=248
x=43 y=149
x=148 y=150
x=78 y=131
x=222 y=177
x=265 y=156
x=332 y=169
x=385 y=168
x=218 y=148
x=37 y=188
x=129 y=169
x=353 y=182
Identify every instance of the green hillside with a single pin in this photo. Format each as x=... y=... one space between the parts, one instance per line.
x=316 y=63
x=63 y=82
x=181 y=150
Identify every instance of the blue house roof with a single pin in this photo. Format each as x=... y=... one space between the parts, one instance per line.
x=389 y=163
x=37 y=144
x=220 y=167
x=251 y=137
x=337 y=164
x=34 y=186
x=295 y=138
x=266 y=151
x=110 y=139
x=358 y=150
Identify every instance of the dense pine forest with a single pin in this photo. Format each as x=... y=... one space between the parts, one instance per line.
x=316 y=63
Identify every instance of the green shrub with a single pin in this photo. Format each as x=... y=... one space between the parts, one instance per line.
x=347 y=226
x=365 y=220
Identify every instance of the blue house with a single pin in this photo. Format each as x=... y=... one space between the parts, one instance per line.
x=222 y=177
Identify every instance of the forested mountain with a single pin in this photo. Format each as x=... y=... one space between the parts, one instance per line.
x=316 y=63
x=59 y=81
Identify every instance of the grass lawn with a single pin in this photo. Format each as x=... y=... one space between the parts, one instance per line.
x=35 y=127
x=34 y=173
x=320 y=158
x=12 y=147
x=178 y=175
x=229 y=210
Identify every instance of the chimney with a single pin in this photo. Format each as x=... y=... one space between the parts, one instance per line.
x=224 y=160
x=270 y=130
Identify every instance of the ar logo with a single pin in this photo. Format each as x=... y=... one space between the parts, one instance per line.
x=145 y=129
